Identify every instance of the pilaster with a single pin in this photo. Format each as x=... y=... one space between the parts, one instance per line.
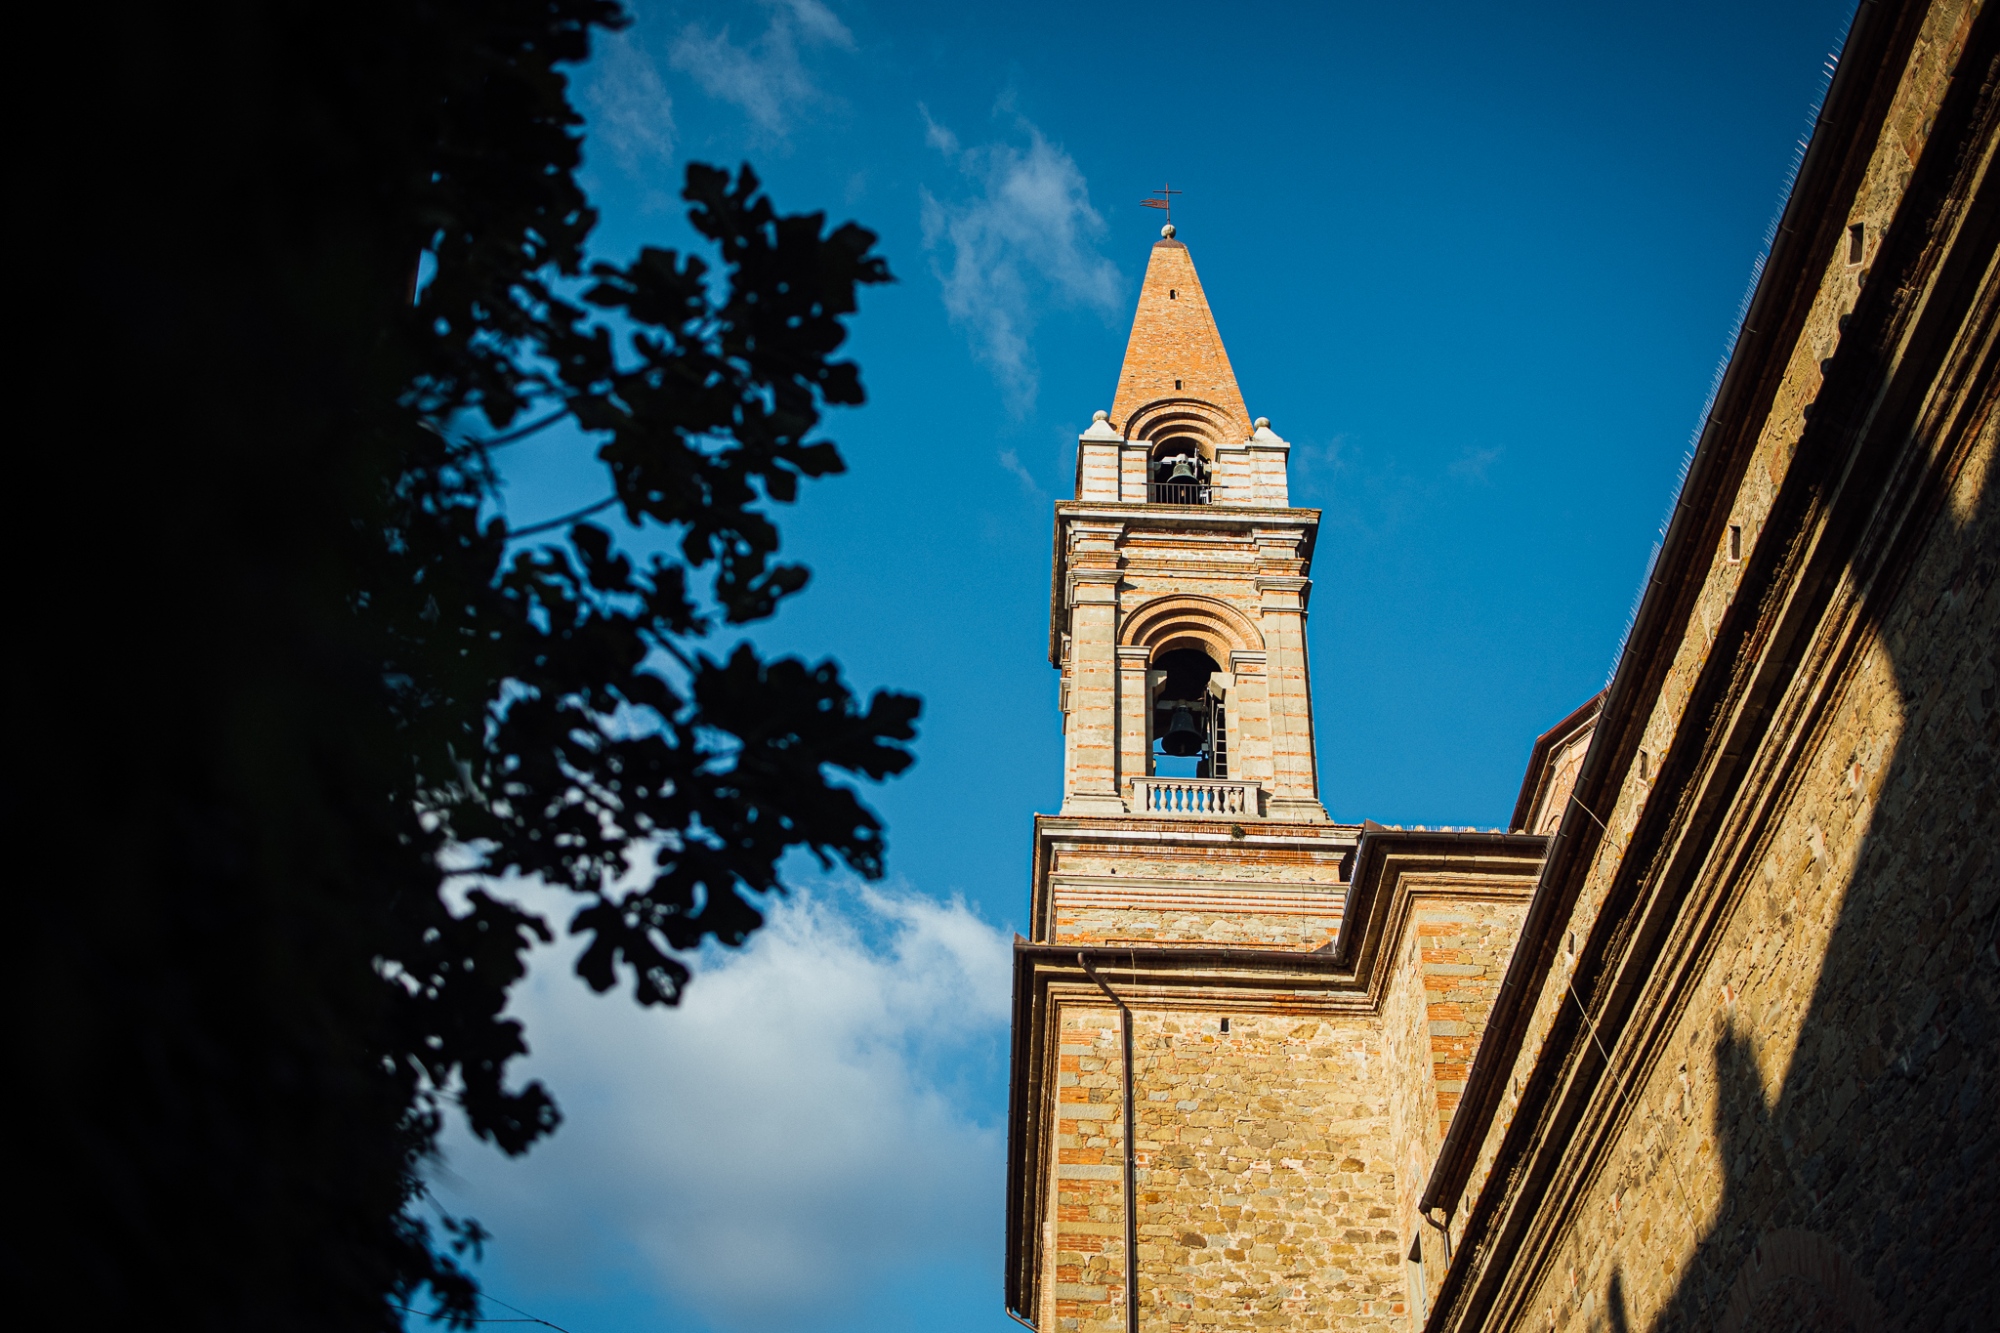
x=1295 y=777
x=1092 y=745
x=1097 y=461
x=1235 y=484
x=1135 y=461
x=1134 y=727
x=1251 y=720
x=1268 y=456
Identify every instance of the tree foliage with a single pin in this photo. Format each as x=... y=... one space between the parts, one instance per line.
x=305 y=675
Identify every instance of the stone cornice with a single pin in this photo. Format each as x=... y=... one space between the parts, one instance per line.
x=1213 y=835
x=1117 y=520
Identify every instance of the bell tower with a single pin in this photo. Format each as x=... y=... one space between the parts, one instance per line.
x=1179 y=601
x=1188 y=895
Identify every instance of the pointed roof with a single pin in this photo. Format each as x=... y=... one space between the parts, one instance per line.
x=1175 y=343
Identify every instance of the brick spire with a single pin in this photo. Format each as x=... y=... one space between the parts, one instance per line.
x=1174 y=341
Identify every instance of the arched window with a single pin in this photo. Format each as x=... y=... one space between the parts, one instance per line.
x=1190 y=725
x=1180 y=474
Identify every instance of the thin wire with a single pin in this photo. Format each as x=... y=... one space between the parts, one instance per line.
x=519 y=1311
x=1588 y=811
x=525 y=1317
x=523 y=432
x=1618 y=1086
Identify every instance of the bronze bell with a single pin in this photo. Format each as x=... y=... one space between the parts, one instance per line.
x=1183 y=470
x=1183 y=736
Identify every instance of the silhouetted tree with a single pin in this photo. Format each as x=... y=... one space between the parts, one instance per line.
x=296 y=272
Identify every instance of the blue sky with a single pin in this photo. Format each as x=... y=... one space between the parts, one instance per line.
x=1479 y=264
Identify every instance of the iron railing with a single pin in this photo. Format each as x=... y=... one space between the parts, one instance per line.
x=1177 y=492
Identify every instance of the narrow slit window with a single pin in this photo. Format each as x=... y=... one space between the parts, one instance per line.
x=1177 y=384
x=1645 y=771
x=1170 y=293
x=1735 y=543
x=1225 y=1025
x=1857 y=236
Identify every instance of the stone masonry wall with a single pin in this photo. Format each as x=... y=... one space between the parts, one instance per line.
x=1824 y=1129
x=1268 y=921
x=1440 y=990
x=1464 y=945
x=1875 y=203
x=1266 y=1187
x=1088 y=1291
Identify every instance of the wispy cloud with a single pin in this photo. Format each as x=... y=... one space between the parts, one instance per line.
x=1473 y=464
x=1011 y=461
x=1024 y=238
x=766 y=76
x=630 y=112
x=785 y=1139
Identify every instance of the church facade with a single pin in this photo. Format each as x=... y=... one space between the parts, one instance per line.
x=1708 y=1036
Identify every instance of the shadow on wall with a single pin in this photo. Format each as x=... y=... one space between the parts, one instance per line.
x=1864 y=1197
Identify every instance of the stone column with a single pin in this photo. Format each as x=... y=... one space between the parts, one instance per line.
x=1250 y=719
x=1097 y=461
x=1134 y=727
x=1235 y=484
x=1134 y=471
x=1268 y=456
x=1092 y=733
x=1295 y=781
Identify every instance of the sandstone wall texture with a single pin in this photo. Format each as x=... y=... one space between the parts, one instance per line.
x=1265 y=1187
x=1829 y=1094
x=1796 y=1122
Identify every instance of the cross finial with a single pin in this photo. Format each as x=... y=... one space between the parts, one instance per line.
x=1164 y=200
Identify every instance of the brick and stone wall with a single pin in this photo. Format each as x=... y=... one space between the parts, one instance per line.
x=1834 y=1074
x=1792 y=1120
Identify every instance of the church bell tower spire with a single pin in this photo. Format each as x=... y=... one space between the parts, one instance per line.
x=1191 y=861
x=1178 y=617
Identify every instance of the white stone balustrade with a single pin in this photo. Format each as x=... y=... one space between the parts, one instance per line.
x=1197 y=798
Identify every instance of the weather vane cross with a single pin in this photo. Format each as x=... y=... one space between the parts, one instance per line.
x=1165 y=200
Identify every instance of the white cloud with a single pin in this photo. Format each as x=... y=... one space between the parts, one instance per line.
x=1472 y=464
x=1011 y=461
x=1026 y=237
x=630 y=111
x=820 y=24
x=765 y=77
x=785 y=1138
x=936 y=135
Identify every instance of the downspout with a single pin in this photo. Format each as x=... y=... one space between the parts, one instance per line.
x=1131 y=1136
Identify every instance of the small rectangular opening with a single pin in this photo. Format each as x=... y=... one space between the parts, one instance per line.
x=1856 y=242
x=1735 y=543
x=1645 y=772
x=1225 y=1025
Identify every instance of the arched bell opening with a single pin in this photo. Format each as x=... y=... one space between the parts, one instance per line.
x=1190 y=724
x=1180 y=472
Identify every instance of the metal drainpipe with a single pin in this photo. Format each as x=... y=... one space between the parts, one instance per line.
x=1131 y=1134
